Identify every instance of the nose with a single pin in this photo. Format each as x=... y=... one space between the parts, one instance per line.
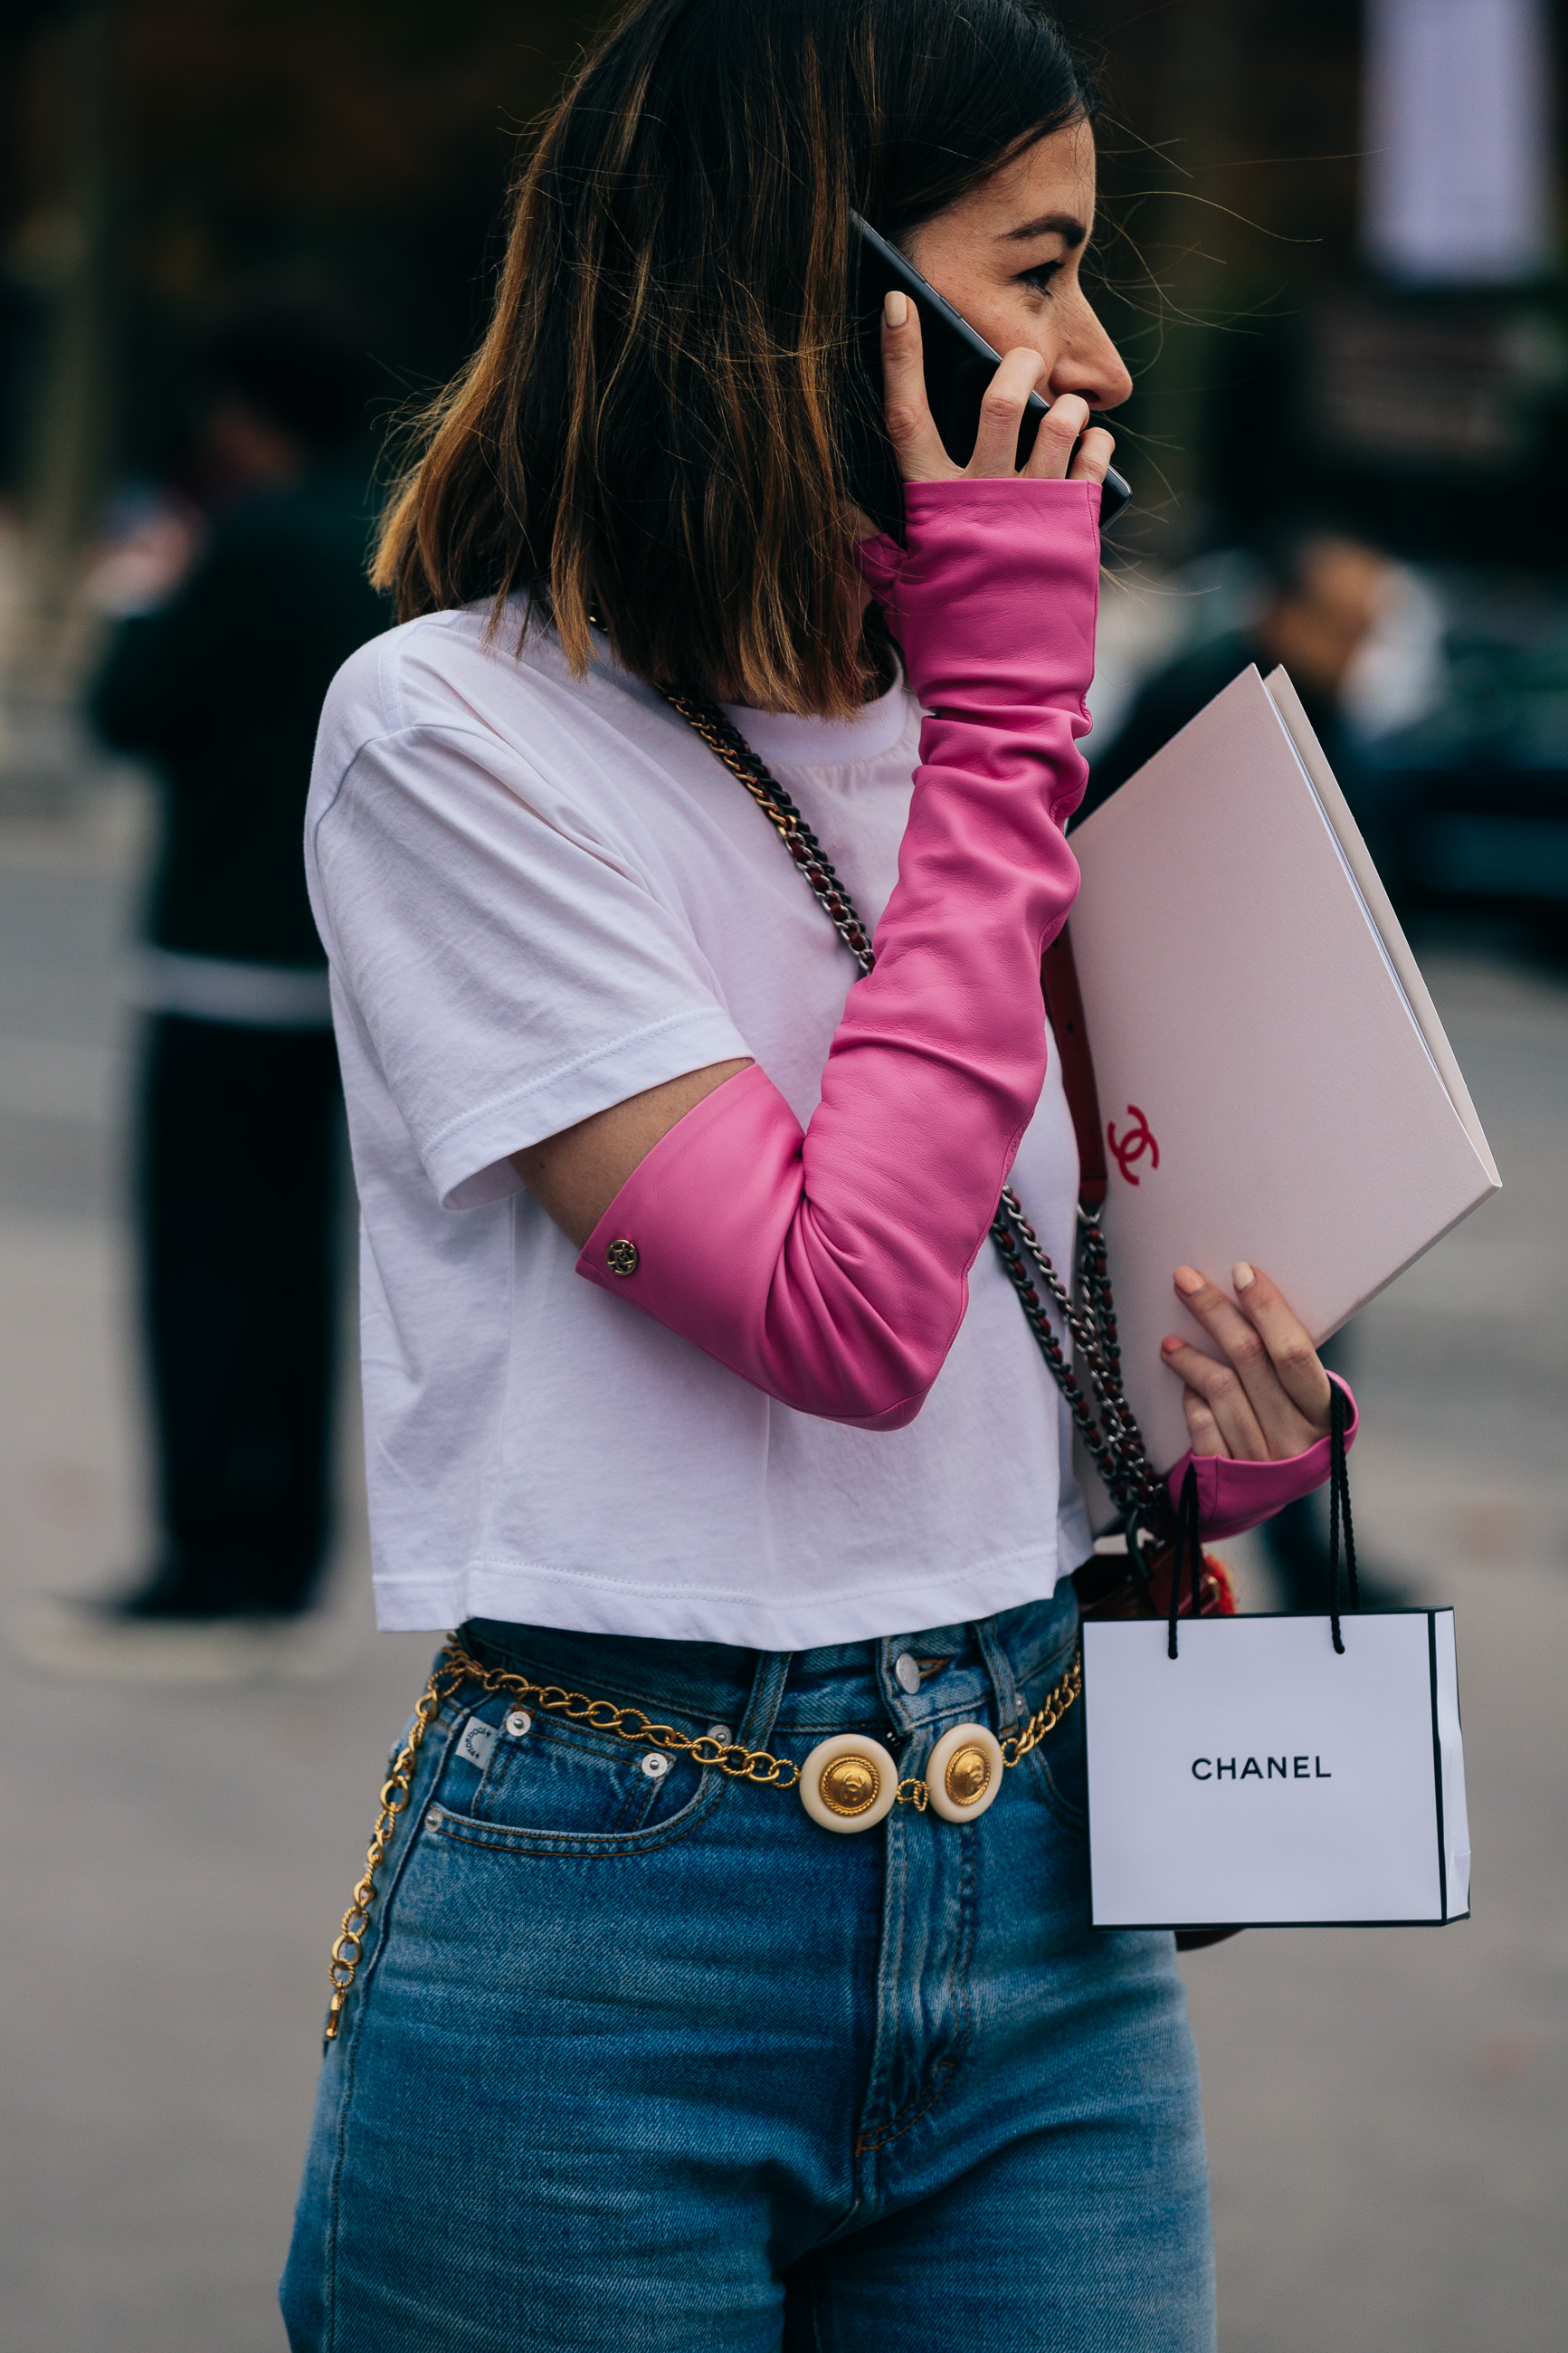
x=1089 y=363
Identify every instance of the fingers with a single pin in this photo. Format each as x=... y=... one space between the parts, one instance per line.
x=1248 y=1392
x=1058 y=437
x=917 y=446
x=1218 y=1389
x=1291 y=1350
x=1002 y=410
x=1095 y=452
x=911 y=428
x=1203 y=1430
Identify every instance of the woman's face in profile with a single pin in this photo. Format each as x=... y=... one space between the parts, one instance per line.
x=1007 y=256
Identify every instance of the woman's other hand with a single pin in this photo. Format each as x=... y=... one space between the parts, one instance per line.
x=919 y=446
x=1268 y=1400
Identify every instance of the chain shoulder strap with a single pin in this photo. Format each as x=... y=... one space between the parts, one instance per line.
x=1107 y=1428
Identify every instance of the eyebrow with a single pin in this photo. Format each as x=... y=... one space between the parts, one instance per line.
x=1066 y=226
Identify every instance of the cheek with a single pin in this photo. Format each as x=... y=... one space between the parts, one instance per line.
x=1011 y=322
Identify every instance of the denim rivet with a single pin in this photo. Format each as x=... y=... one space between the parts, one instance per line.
x=518 y=1722
x=721 y=1734
x=655 y=1766
x=434 y=1819
x=906 y=1671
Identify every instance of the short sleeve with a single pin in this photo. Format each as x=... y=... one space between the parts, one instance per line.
x=513 y=972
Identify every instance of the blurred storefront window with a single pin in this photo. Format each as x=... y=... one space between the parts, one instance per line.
x=1458 y=158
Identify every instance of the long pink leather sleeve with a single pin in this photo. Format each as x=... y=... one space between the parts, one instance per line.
x=1234 y=1496
x=830 y=1267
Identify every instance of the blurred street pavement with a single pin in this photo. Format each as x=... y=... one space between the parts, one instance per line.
x=1385 y=2107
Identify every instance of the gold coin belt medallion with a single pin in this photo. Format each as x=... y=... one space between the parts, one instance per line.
x=848 y=1782
x=967 y=1776
x=849 y=1785
x=964 y=1772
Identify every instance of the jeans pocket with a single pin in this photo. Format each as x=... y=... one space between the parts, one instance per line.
x=522 y=1770
x=1061 y=1773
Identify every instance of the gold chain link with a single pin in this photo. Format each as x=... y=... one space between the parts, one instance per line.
x=455 y=1666
x=1046 y=1717
x=395 y=1794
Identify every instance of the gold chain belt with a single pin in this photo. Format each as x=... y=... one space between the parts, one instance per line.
x=848 y=1783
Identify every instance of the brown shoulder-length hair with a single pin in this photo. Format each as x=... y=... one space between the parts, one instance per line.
x=652 y=429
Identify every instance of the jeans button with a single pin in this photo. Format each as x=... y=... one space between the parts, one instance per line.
x=907 y=1673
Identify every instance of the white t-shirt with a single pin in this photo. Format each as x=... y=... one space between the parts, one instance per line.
x=539 y=895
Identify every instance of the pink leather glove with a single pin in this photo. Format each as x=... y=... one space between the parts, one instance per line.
x=1233 y=1496
x=831 y=1268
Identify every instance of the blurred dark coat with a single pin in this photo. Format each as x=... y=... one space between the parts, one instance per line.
x=221 y=690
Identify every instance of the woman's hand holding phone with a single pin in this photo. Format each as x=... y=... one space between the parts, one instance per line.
x=918 y=445
x=1267 y=1400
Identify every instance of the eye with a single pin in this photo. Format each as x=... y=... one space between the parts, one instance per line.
x=1040 y=276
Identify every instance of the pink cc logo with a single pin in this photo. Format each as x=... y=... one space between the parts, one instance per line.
x=1139 y=1141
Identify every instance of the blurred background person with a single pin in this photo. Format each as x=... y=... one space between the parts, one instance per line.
x=1322 y=596
x=236 y=1149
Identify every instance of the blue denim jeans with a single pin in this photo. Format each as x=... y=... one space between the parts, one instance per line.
x=643 y=2058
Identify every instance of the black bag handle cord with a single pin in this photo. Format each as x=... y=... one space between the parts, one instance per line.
x=1340 y=1502
x=1189 y=1549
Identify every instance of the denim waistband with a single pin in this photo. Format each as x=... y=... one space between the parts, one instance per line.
x=987 y=1670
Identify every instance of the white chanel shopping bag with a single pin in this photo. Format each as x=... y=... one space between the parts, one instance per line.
x=1275 y=1771
x=1261 y=1778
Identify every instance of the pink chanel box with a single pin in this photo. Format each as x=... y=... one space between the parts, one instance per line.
x=1273 y=1078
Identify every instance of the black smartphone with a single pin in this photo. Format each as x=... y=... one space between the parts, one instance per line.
x=959 y=365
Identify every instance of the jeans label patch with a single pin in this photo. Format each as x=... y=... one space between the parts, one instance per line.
x=477 y=1741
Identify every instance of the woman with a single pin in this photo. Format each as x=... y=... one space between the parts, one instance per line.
x=693 y=1397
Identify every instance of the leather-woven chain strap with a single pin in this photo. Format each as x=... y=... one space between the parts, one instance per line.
x=1114 y=1442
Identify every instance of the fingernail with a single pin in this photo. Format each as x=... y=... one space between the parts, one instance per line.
x=1188 y=1279
x=1241 y=1274
x=1170 y=1341
x=895 y=307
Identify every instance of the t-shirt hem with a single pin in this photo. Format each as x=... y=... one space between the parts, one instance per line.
x=573 y=1602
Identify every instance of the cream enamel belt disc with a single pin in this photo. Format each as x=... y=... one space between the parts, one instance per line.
x=848 y=1782
x=965 y=1772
